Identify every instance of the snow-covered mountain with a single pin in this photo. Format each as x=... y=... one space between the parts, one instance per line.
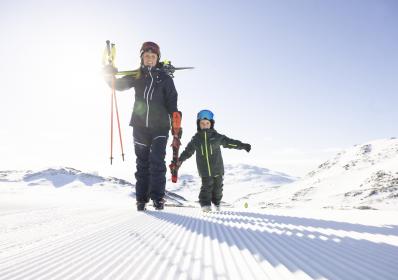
x=364 y=177
x=240 y=180
x=59 y=177
x=66 y=179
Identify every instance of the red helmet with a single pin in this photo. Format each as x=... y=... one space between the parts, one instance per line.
x=150 y=47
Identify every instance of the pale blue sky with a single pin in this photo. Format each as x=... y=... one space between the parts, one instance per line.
x=297 y=79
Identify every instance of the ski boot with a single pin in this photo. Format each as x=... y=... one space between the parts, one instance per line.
x=159 y=204
x=141 y=206
x=206 y=208
x=217 y=207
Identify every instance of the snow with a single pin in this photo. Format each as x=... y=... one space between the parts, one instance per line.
x=363 y=177
x=61 y=223
x=240 y=180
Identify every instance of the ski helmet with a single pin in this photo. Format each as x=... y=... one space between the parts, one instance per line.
x=150 y=47
x=205 y=115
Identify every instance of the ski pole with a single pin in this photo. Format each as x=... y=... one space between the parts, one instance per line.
x=110 y=58
x=112 y=93
x=117 y=117
x=113 y=51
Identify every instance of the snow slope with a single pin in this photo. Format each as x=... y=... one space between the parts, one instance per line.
x=77 y=240
x=240 y=180
x=364 y=177
x=61 y=223
x=65 y=224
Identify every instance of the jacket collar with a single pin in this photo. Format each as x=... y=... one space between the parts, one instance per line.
x=209 y=131
x=146 y=69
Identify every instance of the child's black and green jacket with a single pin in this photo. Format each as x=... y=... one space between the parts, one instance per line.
x=206 y=143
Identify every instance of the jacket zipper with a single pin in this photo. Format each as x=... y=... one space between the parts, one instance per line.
x=207 y=154
x=147 y=98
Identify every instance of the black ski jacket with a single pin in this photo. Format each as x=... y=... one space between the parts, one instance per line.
x=155 y=97
x=206 y=143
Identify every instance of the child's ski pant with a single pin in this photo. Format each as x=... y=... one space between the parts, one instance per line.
x=211 y=190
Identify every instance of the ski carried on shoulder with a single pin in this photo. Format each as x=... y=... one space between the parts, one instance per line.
x=165 y=66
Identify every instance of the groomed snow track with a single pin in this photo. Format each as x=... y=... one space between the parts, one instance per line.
x=184 y=243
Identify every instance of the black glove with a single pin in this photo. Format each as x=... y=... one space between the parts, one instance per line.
x=109 y=70
x=246 y=147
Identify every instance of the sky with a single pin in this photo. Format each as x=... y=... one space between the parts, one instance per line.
x=299 y=80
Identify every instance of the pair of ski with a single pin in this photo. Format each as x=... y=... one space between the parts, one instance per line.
x=175 y=144
x=169 y=69
x=165 y=66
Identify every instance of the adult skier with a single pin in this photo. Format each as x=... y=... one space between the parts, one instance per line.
x=154 y=106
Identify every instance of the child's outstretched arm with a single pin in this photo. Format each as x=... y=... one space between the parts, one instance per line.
x=188 y=152
x=234 y=144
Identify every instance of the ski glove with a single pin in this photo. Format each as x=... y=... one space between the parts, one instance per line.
x=246 y=147
x=109 y=70
x=175 y=166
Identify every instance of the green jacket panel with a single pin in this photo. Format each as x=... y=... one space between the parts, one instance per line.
x=207 y=145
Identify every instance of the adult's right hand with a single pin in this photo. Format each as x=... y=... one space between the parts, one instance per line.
x=109 y=70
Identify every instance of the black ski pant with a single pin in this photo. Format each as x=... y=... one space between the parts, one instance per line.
x=150 y=150
x=211 y=190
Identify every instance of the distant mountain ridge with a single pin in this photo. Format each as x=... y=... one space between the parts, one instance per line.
x=59 y=177
x=364 y=177
x=240 y=181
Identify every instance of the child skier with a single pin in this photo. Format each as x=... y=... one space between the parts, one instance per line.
x=206 y=143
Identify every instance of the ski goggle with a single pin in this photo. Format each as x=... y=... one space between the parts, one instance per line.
x=205 y=115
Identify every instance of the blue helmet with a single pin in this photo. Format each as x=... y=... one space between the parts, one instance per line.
x=205 y=115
